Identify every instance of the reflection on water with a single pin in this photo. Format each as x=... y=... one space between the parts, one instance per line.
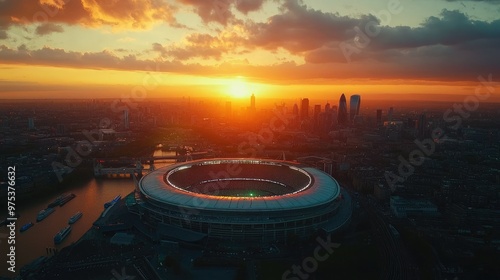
x=90 y=199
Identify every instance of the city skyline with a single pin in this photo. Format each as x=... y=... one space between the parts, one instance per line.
x=407 y=176
x=225 y=48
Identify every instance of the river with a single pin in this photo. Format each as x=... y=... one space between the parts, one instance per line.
x=90 y=198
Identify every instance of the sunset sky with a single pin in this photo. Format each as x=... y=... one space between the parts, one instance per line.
x=231 y=48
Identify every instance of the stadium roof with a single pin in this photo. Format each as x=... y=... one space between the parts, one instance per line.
x=323 y=190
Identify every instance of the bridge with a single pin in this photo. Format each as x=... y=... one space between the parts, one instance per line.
x=129 y=166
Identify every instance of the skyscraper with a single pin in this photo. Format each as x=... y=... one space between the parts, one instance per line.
x=334 y=116
x=316 y=112
x=342 y=115
x=295 y=110
x=421 y=125
x=126 y=121
x=295 y=121
x=355 y=103
x=389 y=115
x=379 y=116
x=61 y=129
x=304 y=109
x=252 y=102
x=31 y=123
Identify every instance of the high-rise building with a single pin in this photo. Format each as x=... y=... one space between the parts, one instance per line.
x=31 y=123
x=252 y=102
x=295 y=110
x=5 y=122
x=61 y=129
x=389 y=115
x=342 y=114
x=126 y=121
x=316 y=112
x=327 y=107
x=304 y=109
x=355 y=103
x=421 y=125
x=379 y=116
x=295 y=120
x=334 y=115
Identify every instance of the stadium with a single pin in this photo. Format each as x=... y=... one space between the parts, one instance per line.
x=242 y=200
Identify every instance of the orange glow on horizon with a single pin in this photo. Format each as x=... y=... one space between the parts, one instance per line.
x=42 y=82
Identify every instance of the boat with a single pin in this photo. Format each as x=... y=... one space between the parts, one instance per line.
x=112 y=202
x=55 y=202
x=59 y=237
x=61 y=200
x=75 y=218
x=44 y=214
x=66 y=199
x=26 y=227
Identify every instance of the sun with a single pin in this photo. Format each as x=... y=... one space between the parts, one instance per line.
x=238 y=88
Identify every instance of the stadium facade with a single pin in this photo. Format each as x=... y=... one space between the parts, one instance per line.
x=242 y=200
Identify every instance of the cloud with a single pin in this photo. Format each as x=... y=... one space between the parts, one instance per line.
x=432 y=63
x=451 y=46
x=299 y=29
x=47 y=28
x=246 y=6
x=120 y=14
x=198 y=45
x=212 y=10
x=221 y=10
x=135 y=14
x=204 y=46
x=451 y=28
x=453 y=39
x=485 y=1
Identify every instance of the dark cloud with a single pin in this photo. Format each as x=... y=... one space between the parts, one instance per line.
x=221 y=10
x=246 y=6
x=212 y=10
x=485 y=1
x=61 y=58
x=451 y=28
x=450 y=46
x=47 y=28
x=432 y=63
x=300 y=29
